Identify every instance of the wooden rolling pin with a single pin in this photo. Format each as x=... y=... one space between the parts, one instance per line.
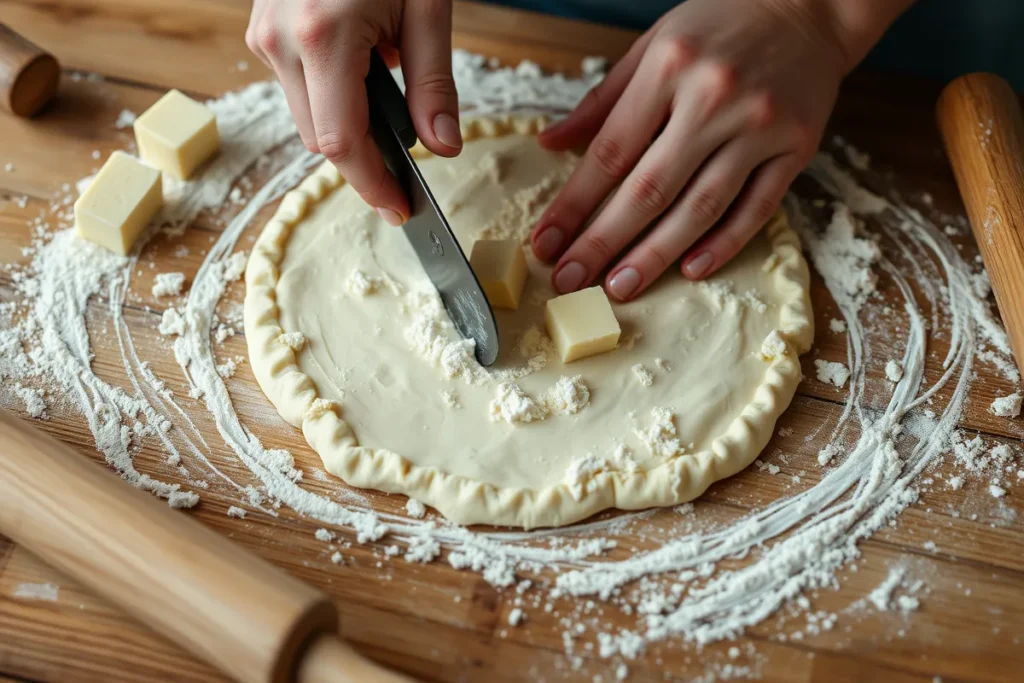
x=29 y=76
x=224 y=604
x=983 y=129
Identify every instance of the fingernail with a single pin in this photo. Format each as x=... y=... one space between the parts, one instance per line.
x=570 y=277
x=391 y=216
x=446 y=129
x=697 y=268
x=624 y=283
x=548 y=242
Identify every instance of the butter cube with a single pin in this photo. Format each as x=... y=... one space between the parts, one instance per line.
x=177 y=135
x=501 y=268
x=121 y=200
x=582 y=324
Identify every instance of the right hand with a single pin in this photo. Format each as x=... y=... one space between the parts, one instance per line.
x=320 y=51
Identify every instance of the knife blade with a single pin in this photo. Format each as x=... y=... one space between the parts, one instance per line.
x=427 y=229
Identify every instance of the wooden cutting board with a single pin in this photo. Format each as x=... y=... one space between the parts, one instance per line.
x=433 y=621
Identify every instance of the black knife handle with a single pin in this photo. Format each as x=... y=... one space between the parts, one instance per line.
x=386 y=99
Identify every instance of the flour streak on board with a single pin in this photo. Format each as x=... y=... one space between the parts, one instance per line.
x=795 y=544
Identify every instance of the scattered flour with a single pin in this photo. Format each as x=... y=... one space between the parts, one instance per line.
x=894 y=371
x=48 y=592
x=800 y=541
x=295 y=341
x=168 y=284
x=171 y=323
x=236 y=512
x=415 y=508
x=1006 y=406
x=832 y=373
x=643 y=375
x=837 y=326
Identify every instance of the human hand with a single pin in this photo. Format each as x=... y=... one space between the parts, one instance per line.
x=320 y=51
x=704 y=123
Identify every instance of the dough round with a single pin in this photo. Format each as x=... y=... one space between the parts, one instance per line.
x=349 y=341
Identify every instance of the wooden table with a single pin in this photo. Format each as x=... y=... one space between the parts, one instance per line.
x=431 y=620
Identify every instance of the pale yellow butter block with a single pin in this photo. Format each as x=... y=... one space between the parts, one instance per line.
x=501 y=268
x=121 y=200
x=582 y=324
x=177 y=135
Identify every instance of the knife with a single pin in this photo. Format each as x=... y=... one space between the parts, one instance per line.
x=427 y=229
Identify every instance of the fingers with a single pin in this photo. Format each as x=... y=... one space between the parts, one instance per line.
x=696 y=129
x=755 y=206
x=697 y=209
x=623 y=137
x=335 y=65
x=252 y=31
x=583 y=123
x=426 y=52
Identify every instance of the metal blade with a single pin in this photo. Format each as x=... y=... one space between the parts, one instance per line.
x=442 y=257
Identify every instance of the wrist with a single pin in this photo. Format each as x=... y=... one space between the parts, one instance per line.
x=859 y=24
x=846 y=28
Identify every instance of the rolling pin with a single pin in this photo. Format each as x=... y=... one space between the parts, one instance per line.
x=29 y=76
x=982 y=127
x=224 y=604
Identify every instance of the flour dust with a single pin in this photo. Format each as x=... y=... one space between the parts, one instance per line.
x=676 y=591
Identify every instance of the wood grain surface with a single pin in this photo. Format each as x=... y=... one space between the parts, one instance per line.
x=430 y=620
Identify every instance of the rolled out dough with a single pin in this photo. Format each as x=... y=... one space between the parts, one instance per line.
x=391 y=399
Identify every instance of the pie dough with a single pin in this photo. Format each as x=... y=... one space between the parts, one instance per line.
x=391 y=399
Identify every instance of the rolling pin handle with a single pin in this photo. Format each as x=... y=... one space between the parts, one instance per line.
x=29 y=76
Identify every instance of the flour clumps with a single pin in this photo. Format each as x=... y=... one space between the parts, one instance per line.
x=415 y=508
x=234 y=267
x=171 y=323
x=1006 y=406
x=894 y=371
x=168 y=284
x=832 y=373
x=774 y=346
x=643 y=375
x=662 y=436
x=837 y=326
x=295 y=341
x=567 y=396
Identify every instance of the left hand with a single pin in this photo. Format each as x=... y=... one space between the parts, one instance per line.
x=704 y=123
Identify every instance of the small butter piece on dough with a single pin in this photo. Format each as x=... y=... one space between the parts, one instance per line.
x=582 y=324
x=177 y=135
x=500 y=266
x=119 y=203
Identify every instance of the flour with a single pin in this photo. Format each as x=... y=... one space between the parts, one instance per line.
x=236 y=512
x=234 y=267
x=643 y=375
x=48 y=592
x=1006 y=406
x=168 y=284
x=661 y=436
x=837 y=326
x=415 y=508
x=296 y=341
x=35 y=406
x=514 y=406
x=832 y=373
x=567 y=396
x=171 y=323
x=126 y=119
x=360 y=284
x=798 y=543
x=773 y=346
x=893 y=371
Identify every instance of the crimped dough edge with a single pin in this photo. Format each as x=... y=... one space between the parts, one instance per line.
x=466 y=501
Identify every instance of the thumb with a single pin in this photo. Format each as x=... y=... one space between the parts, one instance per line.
x=426 y=52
